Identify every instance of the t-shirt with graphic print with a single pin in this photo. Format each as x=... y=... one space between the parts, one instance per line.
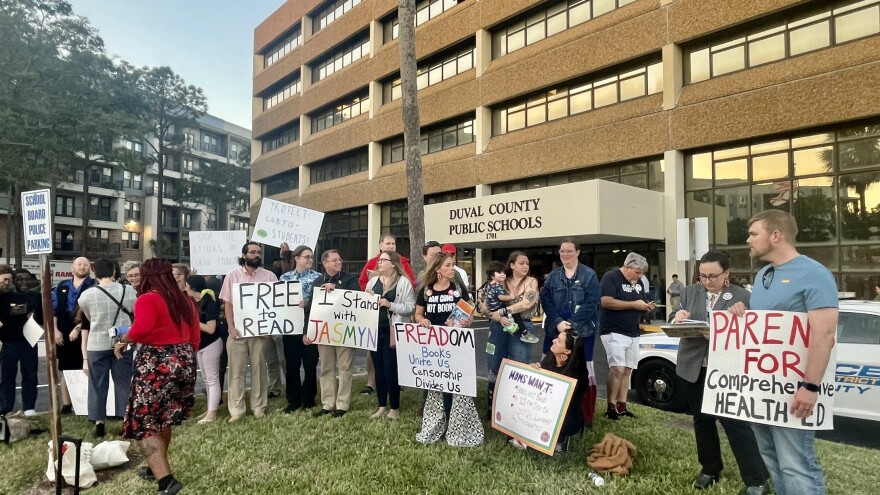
x=622 y=321
x=438 y=304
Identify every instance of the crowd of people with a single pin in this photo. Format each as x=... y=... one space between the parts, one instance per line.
x=165 y=321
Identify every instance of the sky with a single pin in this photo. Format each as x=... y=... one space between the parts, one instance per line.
x=207 y=42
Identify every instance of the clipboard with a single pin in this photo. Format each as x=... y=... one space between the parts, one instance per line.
x=685 y=330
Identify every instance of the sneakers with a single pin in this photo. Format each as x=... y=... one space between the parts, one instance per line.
x=528 y=338
x=30 y=413
x=626 y=414
x=100 y=430
x=517 y=444
x=612 y=414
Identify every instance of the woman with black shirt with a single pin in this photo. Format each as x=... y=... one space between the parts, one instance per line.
x=210 y=345
x=436 y=300
x=566 y=357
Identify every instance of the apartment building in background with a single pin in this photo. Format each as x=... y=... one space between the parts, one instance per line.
x=600 y=120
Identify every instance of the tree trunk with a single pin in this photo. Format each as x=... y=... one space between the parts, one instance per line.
x=411 y=132
x=87 y=206
x=160 y=185
x=15 y=205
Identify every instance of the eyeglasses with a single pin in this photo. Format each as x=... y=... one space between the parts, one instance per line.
x=337 y=260
x=310 y=257
x=710 y=278
x=380 y=260
x=767 y=279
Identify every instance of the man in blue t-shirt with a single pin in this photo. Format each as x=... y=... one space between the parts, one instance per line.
x=793 y=282
x=623 y=300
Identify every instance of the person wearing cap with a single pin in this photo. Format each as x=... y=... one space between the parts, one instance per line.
x=623 y=300
x=461 y=277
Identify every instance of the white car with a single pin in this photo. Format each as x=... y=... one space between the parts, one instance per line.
x=857 y=394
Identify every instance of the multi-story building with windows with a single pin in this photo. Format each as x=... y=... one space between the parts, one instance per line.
x=601 y=120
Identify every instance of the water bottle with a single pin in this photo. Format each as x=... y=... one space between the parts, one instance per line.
x=596 y=479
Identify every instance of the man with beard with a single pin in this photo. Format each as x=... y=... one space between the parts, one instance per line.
x=17 y=303
x=243 y=350
x=64 y=306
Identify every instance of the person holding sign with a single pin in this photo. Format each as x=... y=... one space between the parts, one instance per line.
x=301 y=393
x=793 y=282
x=16 y=307
x=435 y=303
x=243 y=350
x=335 y=361
x=714 y=293
x=397 y=305
x=210 y=343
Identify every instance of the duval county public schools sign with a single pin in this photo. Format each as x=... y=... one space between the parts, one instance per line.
x=37 y=222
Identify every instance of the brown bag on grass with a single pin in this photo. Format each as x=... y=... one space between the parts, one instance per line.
x=612 y=455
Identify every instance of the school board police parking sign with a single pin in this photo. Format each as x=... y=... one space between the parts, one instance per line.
x=37 y=221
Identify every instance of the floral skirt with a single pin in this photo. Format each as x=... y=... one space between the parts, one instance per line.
x=162 y=389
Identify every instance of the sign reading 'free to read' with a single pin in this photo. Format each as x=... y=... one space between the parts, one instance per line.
x=37 y=221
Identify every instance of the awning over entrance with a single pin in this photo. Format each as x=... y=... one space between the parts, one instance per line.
x=590 y=212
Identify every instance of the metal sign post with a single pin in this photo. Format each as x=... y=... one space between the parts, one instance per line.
x=693 y=242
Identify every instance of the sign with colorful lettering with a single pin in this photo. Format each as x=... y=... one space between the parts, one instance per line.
x=344 y=318
x=268 y=308
x=530 y=404
x=215 y=252
x=282 y=222
x=37 y=221
x=437 y=358
x=755 y=364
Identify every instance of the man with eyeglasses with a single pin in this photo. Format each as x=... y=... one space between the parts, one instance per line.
x=241 y=350
x=624 y=299
x=335 y=361
x=793 y=282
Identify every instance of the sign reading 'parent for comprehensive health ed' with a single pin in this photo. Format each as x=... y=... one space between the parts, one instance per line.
x=344 y=318
x=755 y=364
x=530 y=404
x=282 y=222
x=267 y=308
x=438 y=358
x=215 y=252
x=37 y=222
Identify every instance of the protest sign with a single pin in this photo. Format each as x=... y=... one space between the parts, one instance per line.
x=282 y=222
x=530 y=404
x=215 y=252
x=344 y=318
x=78 y=386
x=755 y=364
x=437 y=358
x=267 y=308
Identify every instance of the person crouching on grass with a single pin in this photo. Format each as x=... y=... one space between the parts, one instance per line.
x=164 y=377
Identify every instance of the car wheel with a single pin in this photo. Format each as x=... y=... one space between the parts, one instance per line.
x=657 y=385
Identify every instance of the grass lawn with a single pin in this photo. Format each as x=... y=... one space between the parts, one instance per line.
x=299 y=454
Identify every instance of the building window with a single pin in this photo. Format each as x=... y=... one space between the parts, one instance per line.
x=100 y=209
x=286 y=91
x=281 y=137
x=802 y=32
x=186 y=220
x=345 y=231
x=447 y=196
x=340 y=166
x=212 y=221
x=342 y=57
x=335 y=114
x=641 y=174
x=131 y=240
x=100 y=234
x=233 y=150
x=425 y=11
x=281 y=183
x=537 y=25
x=134 y=146
x=188 y=165
x=189 y=139
x=433 y=139
x=64 y=240
x=330 y=13
x=66 y=206
x=101 y=176
x=132 y=210
x=132 y=181
x=829 y=179
x=577 y=97
x=433 y=72
x=210 y=143
x=282 y=47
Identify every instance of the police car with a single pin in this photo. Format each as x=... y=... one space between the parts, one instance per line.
x=857 y=391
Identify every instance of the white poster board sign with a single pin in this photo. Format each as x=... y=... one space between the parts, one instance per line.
x=78 y=386
x=282 y=222
x=438 y=358
x=262 y=309
x=530 y=404
x=37 y=221
x=215 y=252
x=344 y=318
x=755 y=364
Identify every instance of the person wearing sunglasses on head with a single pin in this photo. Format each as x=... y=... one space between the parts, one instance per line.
x=714 y=292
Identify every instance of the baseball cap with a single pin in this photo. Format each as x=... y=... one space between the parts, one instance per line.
x=449 y=248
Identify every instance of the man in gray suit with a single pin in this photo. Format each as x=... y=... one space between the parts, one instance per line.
x=714 y=292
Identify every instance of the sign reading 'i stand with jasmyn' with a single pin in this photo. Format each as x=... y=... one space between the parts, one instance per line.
x=37 y=222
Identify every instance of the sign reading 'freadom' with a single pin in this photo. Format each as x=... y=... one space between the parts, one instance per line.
x=267 y=308
x=37 y=222
x=344 y=318
x=755 y=364
x=215 y=252
x=438 y=358
x=282 y=222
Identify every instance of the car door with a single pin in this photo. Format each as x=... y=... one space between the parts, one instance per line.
x=857 y=375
